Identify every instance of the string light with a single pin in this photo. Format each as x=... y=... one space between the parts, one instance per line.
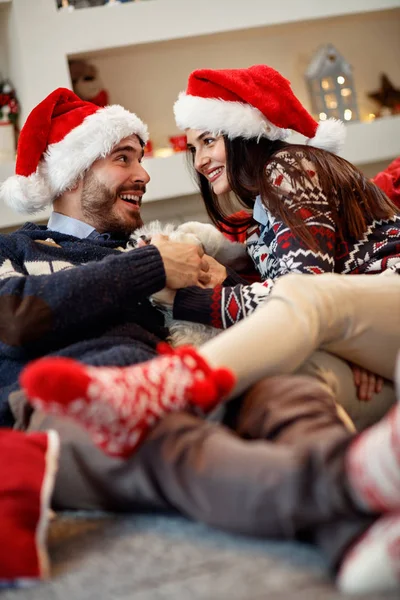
x=348 y=114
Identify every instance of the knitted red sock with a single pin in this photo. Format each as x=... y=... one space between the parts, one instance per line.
x=373 y=563
x=119 y=405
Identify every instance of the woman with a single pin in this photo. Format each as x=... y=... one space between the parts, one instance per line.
x=313 y=212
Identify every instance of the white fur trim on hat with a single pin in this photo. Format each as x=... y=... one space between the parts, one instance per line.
x=330 y=135
x=65 y=161
x=233 y=119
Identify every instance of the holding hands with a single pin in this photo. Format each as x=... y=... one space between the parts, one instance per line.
x=184 y=263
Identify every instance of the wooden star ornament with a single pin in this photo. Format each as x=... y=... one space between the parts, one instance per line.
x=387 y=96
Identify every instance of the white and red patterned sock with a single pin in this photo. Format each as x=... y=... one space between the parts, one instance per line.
x=373 y=462
x=119 y=405
x=373 y=563
x=373 y=465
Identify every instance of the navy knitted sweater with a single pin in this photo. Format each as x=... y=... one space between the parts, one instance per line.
x=81 y=298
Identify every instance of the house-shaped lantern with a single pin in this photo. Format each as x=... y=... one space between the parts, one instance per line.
x=330 y=82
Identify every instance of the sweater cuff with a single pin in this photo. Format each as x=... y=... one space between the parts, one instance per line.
x=147 y=270
x=199 y=305
x=233 y=279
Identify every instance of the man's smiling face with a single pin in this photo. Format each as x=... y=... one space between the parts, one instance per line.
x=113 y=188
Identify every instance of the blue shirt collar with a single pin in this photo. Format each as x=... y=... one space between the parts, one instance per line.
x=260 y=212
x=69 y=226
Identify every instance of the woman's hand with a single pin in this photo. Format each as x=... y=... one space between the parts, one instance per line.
x=367 y=383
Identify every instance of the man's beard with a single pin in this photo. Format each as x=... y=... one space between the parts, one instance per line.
x=98 y=207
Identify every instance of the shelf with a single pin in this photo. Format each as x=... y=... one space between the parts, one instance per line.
x=161 y=20
x=170 y=177
x=6 y=169
x=375 y=141
x=372 y=142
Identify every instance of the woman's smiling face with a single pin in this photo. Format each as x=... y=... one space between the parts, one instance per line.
x=209 y=158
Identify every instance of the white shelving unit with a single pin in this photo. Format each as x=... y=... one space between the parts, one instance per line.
x=40 y=39
x=161 y=20
x=365 y=143
x=370 y=142
x=170 y=176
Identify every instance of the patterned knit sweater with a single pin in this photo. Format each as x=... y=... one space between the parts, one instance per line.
x=276 y=251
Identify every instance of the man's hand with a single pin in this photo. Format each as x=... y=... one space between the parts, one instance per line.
x=184 y=263
x=217 y=272
x=367 y=383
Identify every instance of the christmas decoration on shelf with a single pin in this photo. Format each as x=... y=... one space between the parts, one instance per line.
x=330 y=82
x=9 y=107
x=148 y=149
x=115 y=2
x=163 y=152
x=178 y=143
x=9 y=113
x=71 y=4
x=387 y=96
x=86 y=82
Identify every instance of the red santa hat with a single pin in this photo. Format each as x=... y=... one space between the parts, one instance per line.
x=61 y=138
x=251 y=103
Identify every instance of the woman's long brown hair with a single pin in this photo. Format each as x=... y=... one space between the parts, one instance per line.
x=353 y=200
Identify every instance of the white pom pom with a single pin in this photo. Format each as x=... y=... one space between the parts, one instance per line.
x=330 y=135
x=26 y=194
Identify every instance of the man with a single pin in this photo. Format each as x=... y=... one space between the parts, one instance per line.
x=95 y=180
x=68 y=290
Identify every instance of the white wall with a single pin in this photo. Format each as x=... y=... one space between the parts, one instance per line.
x=4 y=69
x=37 y=62
x=147 y=78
